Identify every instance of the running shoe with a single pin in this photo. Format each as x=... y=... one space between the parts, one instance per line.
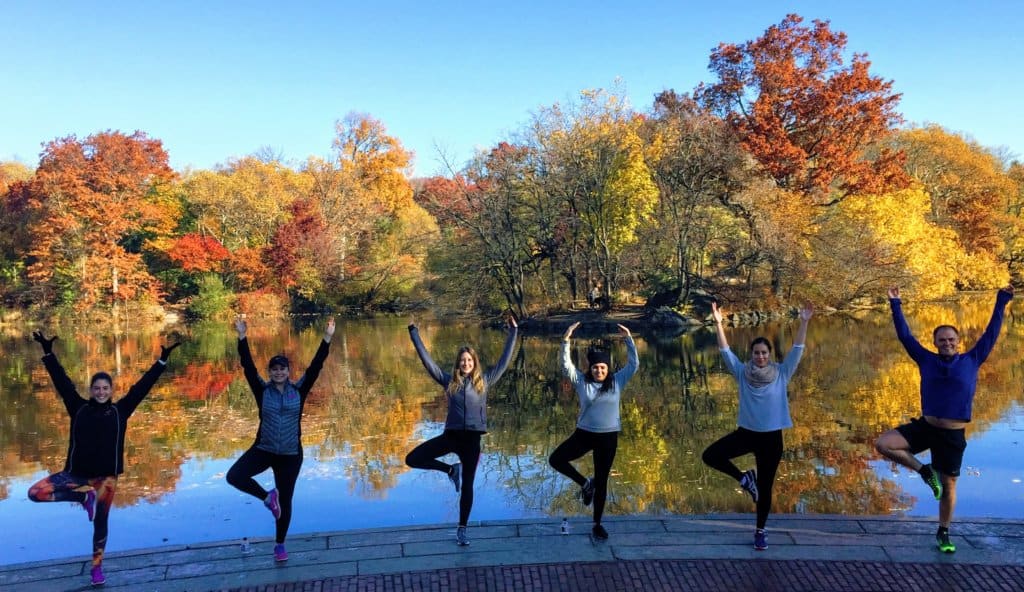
x=89 y=503
x=587 y=492
x=599 y=532
x=931 y=480
x=942 y=541
x=460 y=537
x=280 y=553
x=455 y=474
x=749 y=483
x=760 y=539
x=273 y=504
x=97 y=576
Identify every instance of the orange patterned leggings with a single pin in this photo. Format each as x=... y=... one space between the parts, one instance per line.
x=65 y=487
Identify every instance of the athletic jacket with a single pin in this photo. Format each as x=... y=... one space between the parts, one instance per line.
x=947 y=386
x=467 y=408
x=280 y=430
x=96 y=447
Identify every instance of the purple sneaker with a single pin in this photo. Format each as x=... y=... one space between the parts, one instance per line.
x=280 y=554
x=97 y=576
x=89 y=503
x=760 y=540
x=273 y=504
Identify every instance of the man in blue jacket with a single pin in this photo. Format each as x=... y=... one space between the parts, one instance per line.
x=948 y=382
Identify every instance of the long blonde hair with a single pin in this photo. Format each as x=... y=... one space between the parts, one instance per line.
x=476 y=377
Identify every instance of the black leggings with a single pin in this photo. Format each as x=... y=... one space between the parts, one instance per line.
x=286 y=473
x=767 y=449
x=579 y=443
x=466 y=445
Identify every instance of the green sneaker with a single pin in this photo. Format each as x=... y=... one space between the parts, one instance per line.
x=942 y=540
x=931 y=479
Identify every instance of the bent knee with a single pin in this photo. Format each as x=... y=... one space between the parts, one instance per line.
x=33 y=494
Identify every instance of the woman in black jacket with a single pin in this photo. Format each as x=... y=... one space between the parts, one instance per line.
x=96 y=446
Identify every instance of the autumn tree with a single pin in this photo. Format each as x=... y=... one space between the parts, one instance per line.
x=805 y=115
x=377 y=234
x=697 y=167
x=15 y=216
x=593 y=160
x=98 y=205
x=971 y=193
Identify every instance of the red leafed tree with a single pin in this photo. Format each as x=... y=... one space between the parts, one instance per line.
x=198 y=253
x=298 y=246
x=98 y=203
x=444 y=198
x=811 y=121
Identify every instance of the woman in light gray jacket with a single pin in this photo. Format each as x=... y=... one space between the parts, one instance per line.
x=597 y=426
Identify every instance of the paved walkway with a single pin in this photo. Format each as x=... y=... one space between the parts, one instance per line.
x=643 y=553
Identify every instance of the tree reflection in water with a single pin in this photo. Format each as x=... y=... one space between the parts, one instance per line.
x=373 y=403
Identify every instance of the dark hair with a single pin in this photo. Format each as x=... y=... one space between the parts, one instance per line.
x=941 y=327
x=600 y=356
x=100 y=376
x=279 y=360
x=763 y=340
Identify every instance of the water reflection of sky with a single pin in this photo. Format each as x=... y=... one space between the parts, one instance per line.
x=991 y=482
x=204 y=508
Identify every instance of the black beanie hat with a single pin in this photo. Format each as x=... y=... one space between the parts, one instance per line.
x=279 y=360
x=599 y=356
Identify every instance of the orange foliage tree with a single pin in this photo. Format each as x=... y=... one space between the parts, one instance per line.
x=805 y=116
x=198 y=253
x=98 y=205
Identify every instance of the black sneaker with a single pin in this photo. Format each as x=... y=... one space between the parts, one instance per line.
x=588 y=492
x=749 y=483
x=942 y=541
x=932 y=480
x=599 y=532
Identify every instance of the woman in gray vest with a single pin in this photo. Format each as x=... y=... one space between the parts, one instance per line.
x=598 y=425
x=466 y=390
x=278 y=444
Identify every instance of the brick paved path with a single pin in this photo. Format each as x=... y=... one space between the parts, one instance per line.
x=675 y=575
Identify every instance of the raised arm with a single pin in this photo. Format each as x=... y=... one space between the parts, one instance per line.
x=632 y=360
x=805 y=317
x=987 y=341
x=65 y=388
x=140 y=389
x=568 y=367
x=432 y=368
x=506 y=355
x=252 y=376
x=305 y=383
x=716 y=314
x=916 y=350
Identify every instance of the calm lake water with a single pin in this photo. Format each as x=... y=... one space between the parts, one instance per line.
x=374 y=402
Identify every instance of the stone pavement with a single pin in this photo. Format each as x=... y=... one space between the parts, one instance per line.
x=644 y=553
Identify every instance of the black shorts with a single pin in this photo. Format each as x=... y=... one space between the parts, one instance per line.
x=947 y=446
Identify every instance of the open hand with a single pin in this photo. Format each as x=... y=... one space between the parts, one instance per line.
x=165 y=352
x=47 y=344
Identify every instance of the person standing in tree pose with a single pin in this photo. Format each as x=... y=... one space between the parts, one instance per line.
x=948 y=382
x=278 y=444
x=597 y=425
x=763 y=414
x=96 y=446
x=466 y=390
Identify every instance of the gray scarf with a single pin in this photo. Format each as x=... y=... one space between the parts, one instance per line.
x=758 y=377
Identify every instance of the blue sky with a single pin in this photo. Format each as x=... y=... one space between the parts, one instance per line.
x=215 y=80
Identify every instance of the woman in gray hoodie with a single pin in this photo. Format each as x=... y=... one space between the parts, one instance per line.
x=466 y=391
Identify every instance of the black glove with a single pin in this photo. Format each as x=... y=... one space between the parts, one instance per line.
x=165 y=352
x=43 y=341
